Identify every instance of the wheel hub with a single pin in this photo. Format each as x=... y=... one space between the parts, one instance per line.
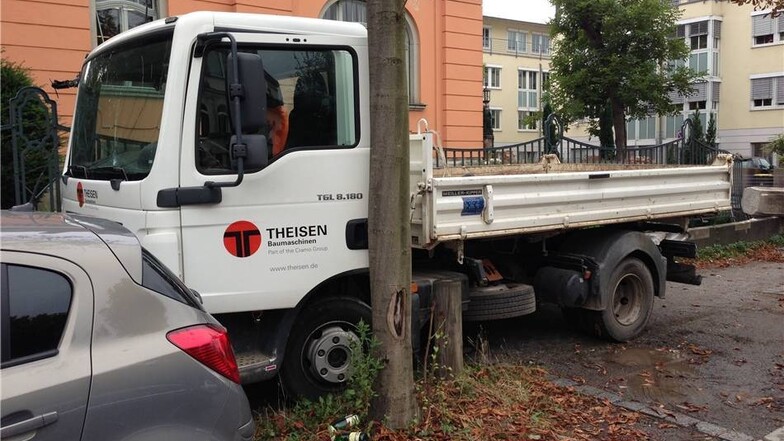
x=330 y=354
x=627 y=299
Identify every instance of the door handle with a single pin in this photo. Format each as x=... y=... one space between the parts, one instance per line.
x=28 y=425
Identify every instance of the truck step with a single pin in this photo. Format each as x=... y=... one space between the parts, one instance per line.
x=502 y=301
x=256 y=366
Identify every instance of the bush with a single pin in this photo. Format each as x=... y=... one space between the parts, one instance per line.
x=13 y=77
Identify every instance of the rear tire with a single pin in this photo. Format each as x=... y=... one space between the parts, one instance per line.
x=318 y=355
x=629 y=303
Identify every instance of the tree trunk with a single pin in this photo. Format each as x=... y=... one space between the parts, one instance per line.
x=619 y=124
x=388 y=213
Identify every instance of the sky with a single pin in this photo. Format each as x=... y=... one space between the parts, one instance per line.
x=537 y=11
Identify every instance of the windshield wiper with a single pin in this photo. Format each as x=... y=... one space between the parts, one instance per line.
x=110 y=171
x=72 y=168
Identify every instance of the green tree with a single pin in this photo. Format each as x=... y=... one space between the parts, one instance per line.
x=698 y=130
x=13 y=77
x=710 y=132
x=616 y=51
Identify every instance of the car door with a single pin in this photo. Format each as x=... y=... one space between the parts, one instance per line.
x=46 y=319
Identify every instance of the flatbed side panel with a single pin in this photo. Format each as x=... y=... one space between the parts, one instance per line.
x=542 y=202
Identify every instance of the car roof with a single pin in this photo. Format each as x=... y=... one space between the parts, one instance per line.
x=69 y=236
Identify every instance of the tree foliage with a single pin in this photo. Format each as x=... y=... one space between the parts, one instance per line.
x=710 y=132
x=776 y=6
x=13 y=77
x=616 y=51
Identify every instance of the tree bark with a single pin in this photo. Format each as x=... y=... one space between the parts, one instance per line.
x=388 y=213
x=619 y=124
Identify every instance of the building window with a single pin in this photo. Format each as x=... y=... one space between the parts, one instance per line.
x=527 y=120
x=526 y=90
x=492 y=77
x=644 y=128
x=487 y=41
x=540 y=44
x=696 y=105
x=355 y=11
x=516 y=41
x=766 y=29
x=698 y=35
x=767 y=92
x=495 y=119
x=545 y=81
x=115 y=16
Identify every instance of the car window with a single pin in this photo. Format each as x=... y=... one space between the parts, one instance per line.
x=158 y=278
x=35 y=304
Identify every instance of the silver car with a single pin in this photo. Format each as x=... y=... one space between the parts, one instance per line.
x=101 y=342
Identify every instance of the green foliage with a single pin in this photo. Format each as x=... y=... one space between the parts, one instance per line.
x=698 y=131
x=306 y=418
x=737 y=249
x=13 y=77
x=776 y=145
x=710 y=133
x=617 y=51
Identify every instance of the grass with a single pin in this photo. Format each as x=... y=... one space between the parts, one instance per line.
x=724 y=255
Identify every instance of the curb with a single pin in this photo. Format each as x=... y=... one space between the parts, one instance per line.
x=677 y=418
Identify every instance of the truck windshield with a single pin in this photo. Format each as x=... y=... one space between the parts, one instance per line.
x=118 y=112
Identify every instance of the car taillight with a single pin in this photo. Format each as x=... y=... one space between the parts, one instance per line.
x=210 y=346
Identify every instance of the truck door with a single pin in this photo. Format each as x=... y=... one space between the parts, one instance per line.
x=283 y=230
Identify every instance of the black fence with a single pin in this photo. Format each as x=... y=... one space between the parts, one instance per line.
x=687 y=150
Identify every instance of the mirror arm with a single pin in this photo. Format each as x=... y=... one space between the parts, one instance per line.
x=239 y=150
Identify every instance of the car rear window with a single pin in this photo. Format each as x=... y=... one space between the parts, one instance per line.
x=158 y=278
x=35 y=304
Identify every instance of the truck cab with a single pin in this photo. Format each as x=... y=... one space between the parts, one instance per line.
x=154 y=119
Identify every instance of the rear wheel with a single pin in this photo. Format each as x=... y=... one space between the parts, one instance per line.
x=318 y=353
x=630 y=302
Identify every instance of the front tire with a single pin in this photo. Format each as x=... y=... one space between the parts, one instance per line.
x=630 y=302
x=318 y=353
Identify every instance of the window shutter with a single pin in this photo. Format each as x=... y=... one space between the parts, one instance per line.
x=716 y=29
x=761 y=88
x=680 y=31
x=780 y=90
x=675 y=97
x=716 y=91
x=699 y=28
x=700 y=93
x=762 y=25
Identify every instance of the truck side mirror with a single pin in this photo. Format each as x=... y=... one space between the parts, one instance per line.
x=252 y=91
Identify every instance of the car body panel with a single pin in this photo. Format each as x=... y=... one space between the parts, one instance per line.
x=116 y=375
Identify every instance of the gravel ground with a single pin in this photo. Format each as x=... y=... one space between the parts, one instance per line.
x=714 y=352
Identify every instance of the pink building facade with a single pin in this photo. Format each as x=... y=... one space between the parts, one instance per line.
x=52 y=37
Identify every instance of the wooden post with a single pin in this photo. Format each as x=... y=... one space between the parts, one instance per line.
x=448 y=317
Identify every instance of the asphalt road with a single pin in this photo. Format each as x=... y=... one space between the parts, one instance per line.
x=714 y=352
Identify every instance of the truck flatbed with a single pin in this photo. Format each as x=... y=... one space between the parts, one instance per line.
x=484 y=201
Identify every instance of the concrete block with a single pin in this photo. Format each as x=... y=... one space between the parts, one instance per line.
x=711 y=429
x=776 y=435
x=760 y=201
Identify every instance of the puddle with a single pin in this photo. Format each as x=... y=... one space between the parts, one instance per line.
x=654 y=375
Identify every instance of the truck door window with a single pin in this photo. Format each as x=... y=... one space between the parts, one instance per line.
x=311 y=103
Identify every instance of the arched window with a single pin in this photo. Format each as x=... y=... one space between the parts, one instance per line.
x=115 y=16
x=356 y=11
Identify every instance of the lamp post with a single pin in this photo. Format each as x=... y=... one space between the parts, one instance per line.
x=487 y=121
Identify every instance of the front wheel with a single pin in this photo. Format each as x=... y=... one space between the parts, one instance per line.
x=630 y=302
x=318 y=353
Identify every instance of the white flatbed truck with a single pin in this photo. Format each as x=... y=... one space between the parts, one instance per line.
x=236 y=147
